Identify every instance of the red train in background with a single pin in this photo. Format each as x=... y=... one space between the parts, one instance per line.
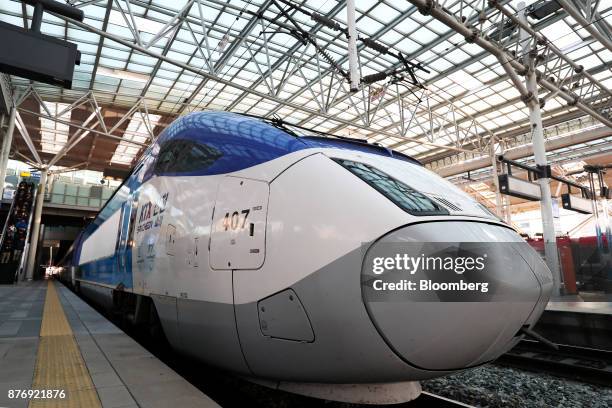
x=585 y=266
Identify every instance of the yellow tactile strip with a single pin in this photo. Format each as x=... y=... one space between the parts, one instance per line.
x=59 y=364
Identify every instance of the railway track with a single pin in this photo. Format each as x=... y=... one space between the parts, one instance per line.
x=578 y=363
x=427 y=399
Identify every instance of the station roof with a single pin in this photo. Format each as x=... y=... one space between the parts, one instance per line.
x=165 y=58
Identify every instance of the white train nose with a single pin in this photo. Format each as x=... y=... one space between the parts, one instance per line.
x=440 y=311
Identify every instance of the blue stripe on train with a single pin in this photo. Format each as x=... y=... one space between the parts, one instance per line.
x=243 y=141
x=106 y=271
x=237 y=141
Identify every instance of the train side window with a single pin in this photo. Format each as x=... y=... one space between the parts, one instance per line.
x=404 y=196
x=168 y=156
x=183 y=156
x=196 y=156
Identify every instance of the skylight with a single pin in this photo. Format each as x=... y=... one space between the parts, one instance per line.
x=136 y=132
x=230 y=37
x=54 y=135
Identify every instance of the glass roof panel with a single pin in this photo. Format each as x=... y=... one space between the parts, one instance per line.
x=458 y=71
x=53 y=134
x=139 y=128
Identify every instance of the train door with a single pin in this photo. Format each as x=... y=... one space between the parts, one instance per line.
x=238 y=238
x=237 y=241
x=126 y=237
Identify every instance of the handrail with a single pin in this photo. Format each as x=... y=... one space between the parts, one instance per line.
x=8 y=218
x=26 y=246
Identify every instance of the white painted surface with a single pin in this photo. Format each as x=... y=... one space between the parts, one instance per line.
x=374 y=394
x=317 y=212
x=187 y=219
x=102 y=243
x=238 y=239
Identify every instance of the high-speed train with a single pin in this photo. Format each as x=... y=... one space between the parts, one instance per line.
x=246 y=243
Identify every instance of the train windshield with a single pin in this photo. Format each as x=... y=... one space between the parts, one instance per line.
x=402 y=195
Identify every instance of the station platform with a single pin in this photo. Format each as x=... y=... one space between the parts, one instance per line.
x=578 y=320
x=55 y=344
x=581 y=307
x=584 y=302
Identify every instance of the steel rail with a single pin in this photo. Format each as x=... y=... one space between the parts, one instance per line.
x=427 y=399
x=580 y=363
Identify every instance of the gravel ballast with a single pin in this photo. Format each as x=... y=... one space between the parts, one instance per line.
x=495 y=386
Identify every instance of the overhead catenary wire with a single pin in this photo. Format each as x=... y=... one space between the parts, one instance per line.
x=487 y=66
x=367 y=42
x=255 y=15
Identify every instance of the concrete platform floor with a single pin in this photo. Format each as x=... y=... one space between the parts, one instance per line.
x=585 y=302
x=122 y=372
x=581 y=307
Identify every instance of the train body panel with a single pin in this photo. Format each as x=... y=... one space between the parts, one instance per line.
x=300 y=225
x=110 y=266
x=252 y=250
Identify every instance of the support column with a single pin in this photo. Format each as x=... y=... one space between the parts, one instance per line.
x=34 y=235
x=499 y=209
x=50 y=181
x=539 y=152
x=505 y=199
x=352 y=45
x=7 y=141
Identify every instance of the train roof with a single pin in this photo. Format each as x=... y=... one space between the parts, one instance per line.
x=237 y=141
x=269 y=134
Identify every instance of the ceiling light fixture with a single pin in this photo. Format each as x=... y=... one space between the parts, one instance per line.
x=121 y=74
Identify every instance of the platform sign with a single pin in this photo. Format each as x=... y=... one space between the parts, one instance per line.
x=575 y=203
x=517 y=187
x=8 y=194
x=37 y=56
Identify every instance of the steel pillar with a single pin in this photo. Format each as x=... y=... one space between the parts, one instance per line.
x=34 y=236
x=7 y=140
x=572 y=11
x=539 y=152
x=499 y=209
x=352 y=45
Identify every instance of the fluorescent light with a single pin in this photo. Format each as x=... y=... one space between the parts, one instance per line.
x=121 y=74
